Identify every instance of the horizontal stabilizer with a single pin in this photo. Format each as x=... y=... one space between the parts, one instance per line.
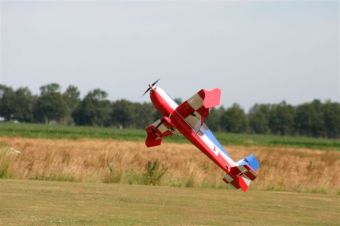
x=247 y=167
x=241 y=175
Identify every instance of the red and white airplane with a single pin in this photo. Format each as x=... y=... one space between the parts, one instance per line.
x=188 y=118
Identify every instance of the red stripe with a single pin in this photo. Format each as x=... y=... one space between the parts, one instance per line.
x=203 y=112
x=185 y=109
x=235 y=184
x=201 y=93
x=234 y=170
x=250 y=175
x=242 y=184
x=239 y=183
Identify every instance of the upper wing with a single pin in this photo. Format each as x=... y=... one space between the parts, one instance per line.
x=196 y=109
x=157 y=130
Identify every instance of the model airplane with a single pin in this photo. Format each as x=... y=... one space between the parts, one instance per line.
x=188 y=118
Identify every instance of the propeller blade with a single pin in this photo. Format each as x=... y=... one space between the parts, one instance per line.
x=155 y=82
x=151 y=86
x=146 y=91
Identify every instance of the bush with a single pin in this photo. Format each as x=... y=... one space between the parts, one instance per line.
x=154 y=173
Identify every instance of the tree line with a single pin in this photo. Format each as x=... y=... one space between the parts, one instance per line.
x=52 y=105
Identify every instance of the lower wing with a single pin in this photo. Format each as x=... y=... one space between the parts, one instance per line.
x=157 y=130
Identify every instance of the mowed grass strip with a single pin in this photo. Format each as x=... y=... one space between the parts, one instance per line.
x=62 y=203
x=78 y=132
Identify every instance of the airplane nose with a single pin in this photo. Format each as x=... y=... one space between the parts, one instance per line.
x=151 y=86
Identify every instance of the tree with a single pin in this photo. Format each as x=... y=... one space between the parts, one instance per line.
x=50 y=105
x=144 y=115
x=281 y=119
x=309 y=119
x=50 y=88
x=124 y=114
x=331 y=114
x=94 y=109
x=23 y=105
x=234 y=119
x=72 y=99
x=6 y=102
x=259 y=118
x=214 y=119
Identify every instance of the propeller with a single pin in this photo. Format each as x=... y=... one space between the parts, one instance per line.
x=151 y=86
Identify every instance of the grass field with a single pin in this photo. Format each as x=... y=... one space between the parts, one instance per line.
x=25 y=202
x=78 y=132
x=180 y=165
x=57 y=158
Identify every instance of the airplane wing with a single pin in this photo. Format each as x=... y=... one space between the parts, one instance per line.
x=157 y=130
x=196 y=109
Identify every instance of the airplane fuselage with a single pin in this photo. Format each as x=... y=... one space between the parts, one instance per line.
x=201 y=139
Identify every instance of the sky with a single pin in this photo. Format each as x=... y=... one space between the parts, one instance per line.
x=254 y=51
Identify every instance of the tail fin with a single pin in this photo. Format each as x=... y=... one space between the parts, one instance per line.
x=244 y=173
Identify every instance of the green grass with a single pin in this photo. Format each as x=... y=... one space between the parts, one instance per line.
x=24 y=202
x=77 y=132
x=68 y=132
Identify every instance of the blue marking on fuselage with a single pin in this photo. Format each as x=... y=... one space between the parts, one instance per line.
x=211 y=136
x=251 y=161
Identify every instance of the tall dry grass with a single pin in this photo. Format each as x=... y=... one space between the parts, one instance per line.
x=178 y=164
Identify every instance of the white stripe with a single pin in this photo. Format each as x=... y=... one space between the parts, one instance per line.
x=194 y=123
x=198 y=115
x=246 y=180
x=156 y=123
x=196 y=101
x=166 y=97
x=215 y=150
